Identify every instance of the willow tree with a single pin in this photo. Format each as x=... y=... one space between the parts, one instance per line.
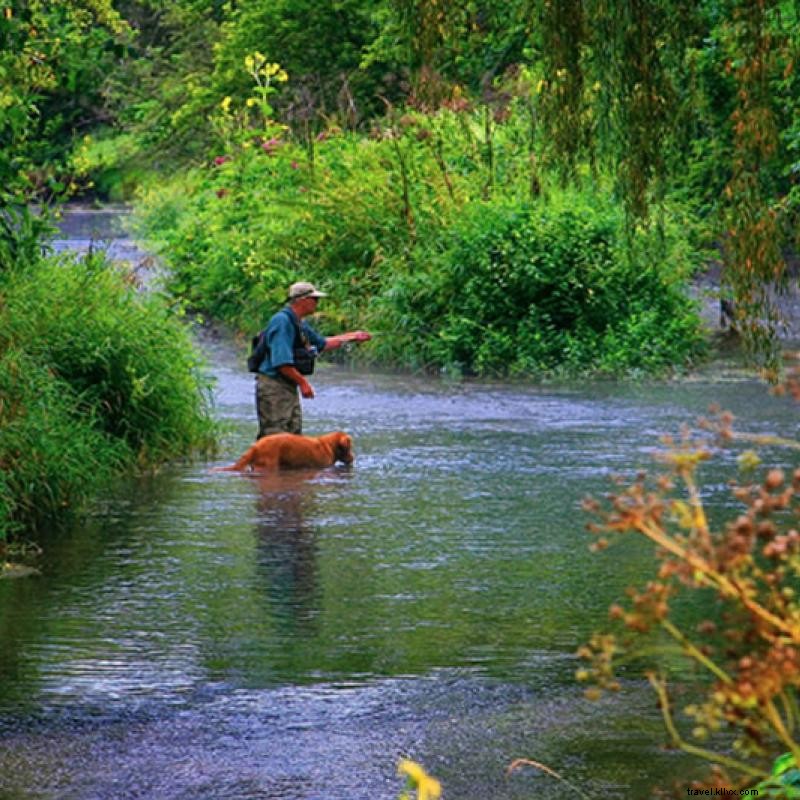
x=640 y=83
x=759 y=47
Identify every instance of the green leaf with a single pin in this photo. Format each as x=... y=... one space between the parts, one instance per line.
x=783 y=763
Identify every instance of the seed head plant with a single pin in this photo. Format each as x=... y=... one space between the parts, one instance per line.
x=744 y=657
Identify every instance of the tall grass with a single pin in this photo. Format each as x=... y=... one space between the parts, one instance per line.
x=95 y=378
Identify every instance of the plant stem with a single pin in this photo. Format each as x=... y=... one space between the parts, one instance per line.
x=776 y=721
x=701 y=752
x=692 y=650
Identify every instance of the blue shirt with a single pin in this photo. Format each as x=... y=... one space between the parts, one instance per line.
x=280 y=338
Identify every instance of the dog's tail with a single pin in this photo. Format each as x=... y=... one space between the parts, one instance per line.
x=240 y=465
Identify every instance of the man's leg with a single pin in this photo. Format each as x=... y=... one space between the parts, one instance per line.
x=278 y=406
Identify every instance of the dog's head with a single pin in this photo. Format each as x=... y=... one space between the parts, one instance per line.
x=343 y=447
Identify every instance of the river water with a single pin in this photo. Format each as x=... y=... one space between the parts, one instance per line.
x=214 y=636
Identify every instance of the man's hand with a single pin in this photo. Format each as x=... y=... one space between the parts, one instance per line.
x=333 y=342
x=306 y=389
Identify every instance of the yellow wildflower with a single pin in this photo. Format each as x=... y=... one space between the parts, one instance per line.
x=226 y=103
x=428 y=788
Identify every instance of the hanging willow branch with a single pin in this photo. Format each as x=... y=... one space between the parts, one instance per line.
x=638 y=51
x=562 y=90
x=752 y=253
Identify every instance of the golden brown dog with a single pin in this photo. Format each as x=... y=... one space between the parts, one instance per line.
x=292 y=451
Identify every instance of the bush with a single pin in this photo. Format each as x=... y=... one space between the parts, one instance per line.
x=236 y=234
x=516 y=289
x=51 y=456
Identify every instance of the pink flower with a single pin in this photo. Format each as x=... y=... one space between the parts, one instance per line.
x=220 y=160
x=294 y=165
x=270 y=146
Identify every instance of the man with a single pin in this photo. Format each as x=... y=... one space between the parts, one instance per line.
x=278 y=379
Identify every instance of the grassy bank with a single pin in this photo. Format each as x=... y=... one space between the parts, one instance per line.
x=95 y=380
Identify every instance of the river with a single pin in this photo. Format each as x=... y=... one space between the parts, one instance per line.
x=215 y=636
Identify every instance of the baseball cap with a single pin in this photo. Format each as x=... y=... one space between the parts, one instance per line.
x=304 y=289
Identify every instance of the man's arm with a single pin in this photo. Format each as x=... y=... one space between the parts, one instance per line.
x=334 y=342
x=290 y=372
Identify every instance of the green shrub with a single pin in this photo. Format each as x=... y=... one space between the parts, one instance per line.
x=514 y=288
x=235 y=235
x=397 y=230
x=52 y=457
x=95 y=376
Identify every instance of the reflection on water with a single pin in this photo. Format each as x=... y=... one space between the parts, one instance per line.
x=286 y=551
x=213 y=635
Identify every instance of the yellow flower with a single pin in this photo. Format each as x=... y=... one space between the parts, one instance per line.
x=226 y=103
x=428 y=788
x=282 y=77
x=748 y=460
x=251 y=101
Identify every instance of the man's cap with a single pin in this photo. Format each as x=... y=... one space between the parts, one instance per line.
x=304 y=289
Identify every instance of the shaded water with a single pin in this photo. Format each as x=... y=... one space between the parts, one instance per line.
x=216 y=636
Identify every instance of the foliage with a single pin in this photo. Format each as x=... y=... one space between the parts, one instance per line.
x=697 y=102
x=414 y=231
x=744 y=574
x=52 y=458
x=520 y=289
x=95 y=377
x=319 y=44
x=53 y=58
x=753 y=245
x=783 y=782
x=654 y=84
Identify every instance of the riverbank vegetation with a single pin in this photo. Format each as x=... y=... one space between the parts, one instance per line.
x=414 y=117
x=96 y=378
x=361 y=144
x=738 y=667
x=413 y=249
